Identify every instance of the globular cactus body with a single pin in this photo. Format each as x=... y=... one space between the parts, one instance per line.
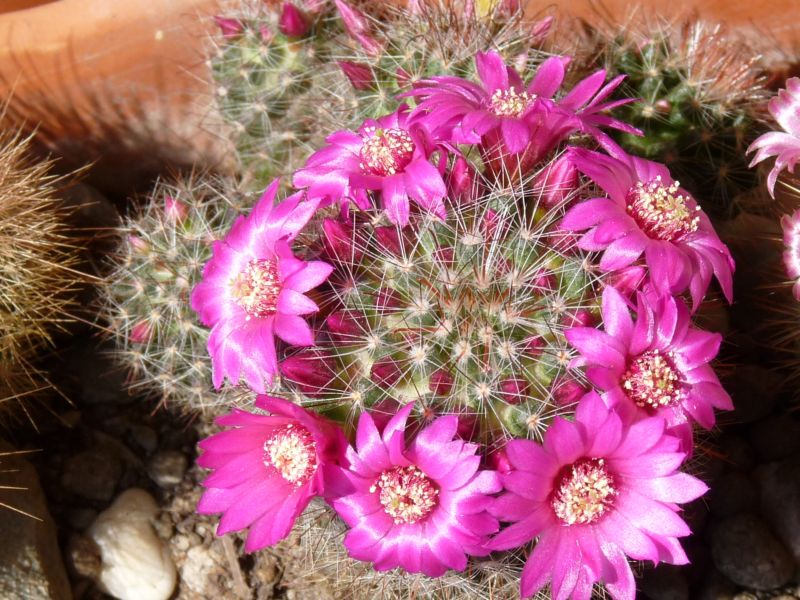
x=146 y=294
x=464 y=314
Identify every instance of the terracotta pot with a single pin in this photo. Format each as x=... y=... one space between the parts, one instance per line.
x=121 y=83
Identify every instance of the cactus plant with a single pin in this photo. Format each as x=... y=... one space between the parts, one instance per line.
x=702 y=93
x=160 y=257
x=38 y=276
x=449 y=300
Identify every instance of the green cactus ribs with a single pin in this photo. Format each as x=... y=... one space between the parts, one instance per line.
x=465 y=315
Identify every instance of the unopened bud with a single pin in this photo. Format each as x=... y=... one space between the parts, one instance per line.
x=310 y=370
x=293 y=23
x=556 y=183
x=441 y=382
x=360 y=75
x=514 y=391
x=385 y=373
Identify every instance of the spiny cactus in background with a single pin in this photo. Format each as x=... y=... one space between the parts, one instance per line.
x=263 y=66
x=160 y=258
x=38 y=275
x=287 y=77
x=702 y=94
x=324 y=561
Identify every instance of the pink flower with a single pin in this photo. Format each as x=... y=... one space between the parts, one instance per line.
x=253 y=289
x=421 y=507
x=656 y=365
x=267 y=468
x=784 y=146
x=791 y=253
x=595 y=492
x=388 y=155
x=647 y=212
x=509 y=118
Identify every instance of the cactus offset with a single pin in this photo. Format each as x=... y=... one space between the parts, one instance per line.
x=160 y=258
x=701 y=94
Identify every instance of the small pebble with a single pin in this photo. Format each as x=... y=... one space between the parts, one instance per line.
x=167 y=468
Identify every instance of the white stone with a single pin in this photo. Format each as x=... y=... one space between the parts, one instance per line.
x=136 y=565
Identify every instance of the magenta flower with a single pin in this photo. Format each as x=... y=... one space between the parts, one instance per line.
x=421 y=507
x=656 y=365
x=389 y=155
x=784 y=145
x=597 y=491
x=791 y=253
x=267 y=468
x=647 y=212
x=253 y=288
x=509 y=118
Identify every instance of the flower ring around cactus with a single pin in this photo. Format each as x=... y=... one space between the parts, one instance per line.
x=493 y=303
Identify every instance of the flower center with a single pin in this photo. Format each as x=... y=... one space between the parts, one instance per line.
x=509 y=103
x=256 y=289
x=292 y=452
x=386 y=152
x=585 y=491
x=406 y=493
x=653 y=381
x=661 y=211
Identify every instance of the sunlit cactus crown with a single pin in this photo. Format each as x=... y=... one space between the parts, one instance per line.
x=470 y=327
x=158 y=261
x=463 y=314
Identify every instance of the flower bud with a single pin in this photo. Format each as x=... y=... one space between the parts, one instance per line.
x=389 y=238
x=357 y=26
x=533 y=346
x=540 y=30
x=497 y=460
x=385 y=373
x=567 y=391
x=514 y=391
x=556 y=183
x=343 y=327
x=461 y=181
x=339 y=241
x=230 y=28
x=310 y=370
x=441 y=382
x=138 y=245
x=544 y=281
x=468 y=427
x=360 y=75
x=141 y=332
x=175 y=209
x=578 y=318
x=293 y=23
